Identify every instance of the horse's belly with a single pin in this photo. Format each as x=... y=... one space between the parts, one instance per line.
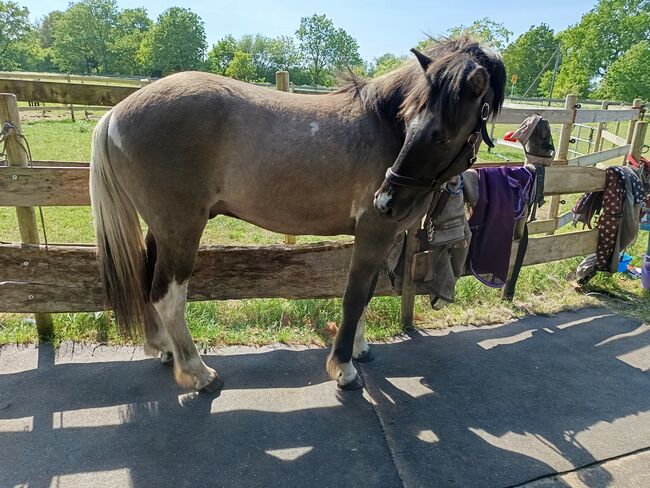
x=296 y=217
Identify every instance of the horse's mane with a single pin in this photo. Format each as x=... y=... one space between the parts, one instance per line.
x=405 y=91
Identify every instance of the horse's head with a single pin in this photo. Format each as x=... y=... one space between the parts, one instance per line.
x=448 y=96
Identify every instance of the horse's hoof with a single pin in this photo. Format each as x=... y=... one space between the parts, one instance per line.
x=356 y=384
x=365 y=357
x=213 y=387
x=167 y=358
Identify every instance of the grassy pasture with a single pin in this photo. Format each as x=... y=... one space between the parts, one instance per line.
x=542 y=289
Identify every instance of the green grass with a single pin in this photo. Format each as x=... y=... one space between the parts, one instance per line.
x=541 y=289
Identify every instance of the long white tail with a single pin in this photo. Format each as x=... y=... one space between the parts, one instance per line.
x=120 y=245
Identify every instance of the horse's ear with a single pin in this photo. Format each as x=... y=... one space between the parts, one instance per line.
x=478 y=82
x=423 y=59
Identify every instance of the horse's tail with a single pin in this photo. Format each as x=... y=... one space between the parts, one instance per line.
x=120 y=245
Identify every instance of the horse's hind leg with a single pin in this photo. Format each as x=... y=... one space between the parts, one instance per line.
x=176 y=254
x=157 y=339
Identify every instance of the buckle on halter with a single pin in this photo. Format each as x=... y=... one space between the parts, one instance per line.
x=485 y=111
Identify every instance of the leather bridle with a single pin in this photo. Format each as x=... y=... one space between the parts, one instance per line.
x=463 y=160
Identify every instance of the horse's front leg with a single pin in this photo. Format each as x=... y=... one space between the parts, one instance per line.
x=367 y=259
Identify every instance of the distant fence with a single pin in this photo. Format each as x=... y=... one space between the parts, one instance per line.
x=65 y=278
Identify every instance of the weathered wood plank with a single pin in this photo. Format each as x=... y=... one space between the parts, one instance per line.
x=68 y=93
x=93 y=79
x=43 y=186
x=55 y=163
x=17 y=158
x=67 y=279
x=540 y=250
x=557 y=247
x=598 y=115
x=613 y=138
x=570 y=179
x=541 y=226
x=599 y=157
x=512 y=115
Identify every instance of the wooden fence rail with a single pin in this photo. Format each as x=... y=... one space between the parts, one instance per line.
x=61 y=186
x=66 y=278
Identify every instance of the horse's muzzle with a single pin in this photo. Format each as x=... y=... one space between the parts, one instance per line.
x=383 y=202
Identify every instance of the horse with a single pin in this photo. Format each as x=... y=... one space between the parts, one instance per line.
x=364 y=159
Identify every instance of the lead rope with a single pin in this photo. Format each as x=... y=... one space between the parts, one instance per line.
x=24 y=144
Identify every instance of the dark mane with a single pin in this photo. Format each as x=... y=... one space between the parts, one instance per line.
x=405 y=91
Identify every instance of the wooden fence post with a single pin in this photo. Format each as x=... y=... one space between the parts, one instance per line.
x=282 y=84
x=563 y=153
x=599 y=132
x=17 y=156
x=638 y=137
x=407 y=304
x=630 y=130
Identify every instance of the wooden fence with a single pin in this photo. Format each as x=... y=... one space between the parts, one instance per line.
x=65 y=278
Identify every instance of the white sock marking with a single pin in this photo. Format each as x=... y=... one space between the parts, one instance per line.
x=360 y=344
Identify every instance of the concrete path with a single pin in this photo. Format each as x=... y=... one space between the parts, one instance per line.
x=559 y=401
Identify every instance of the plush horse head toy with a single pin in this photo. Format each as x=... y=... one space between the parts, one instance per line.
x=535 y=136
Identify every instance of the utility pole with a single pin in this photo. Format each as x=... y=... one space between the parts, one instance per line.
x=558 y=55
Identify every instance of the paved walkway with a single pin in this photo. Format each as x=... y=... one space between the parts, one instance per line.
x=503 y=406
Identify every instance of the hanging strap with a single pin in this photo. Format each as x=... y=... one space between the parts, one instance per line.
x=538 y=201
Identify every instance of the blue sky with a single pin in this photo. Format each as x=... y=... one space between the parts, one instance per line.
x=379 y=26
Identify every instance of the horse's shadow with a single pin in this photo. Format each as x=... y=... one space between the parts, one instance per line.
x=481 y=407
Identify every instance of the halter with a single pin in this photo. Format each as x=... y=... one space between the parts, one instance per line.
x=465 y=158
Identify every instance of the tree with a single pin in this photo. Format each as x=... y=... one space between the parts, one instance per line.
x=602 y=36
x=315 y=35
x=175 y=43
x=386 y=63
x=486 y=30
x=284 y=53
x=14 y=28
x=46 y=28
x=325 y=48
x=132 y=26
x=268 y=55
x=345 y=51
x=84 y=35
x=528 y=55
x=221 y=54
x=627 y=77
x=241 y=67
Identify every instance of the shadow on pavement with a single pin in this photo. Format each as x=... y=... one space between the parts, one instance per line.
x=468 y=407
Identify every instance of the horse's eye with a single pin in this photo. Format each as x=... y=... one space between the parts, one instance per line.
x=440 y=139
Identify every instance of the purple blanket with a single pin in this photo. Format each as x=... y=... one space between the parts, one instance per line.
x=503 y=197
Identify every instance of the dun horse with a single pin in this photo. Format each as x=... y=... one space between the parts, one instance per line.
x=195 y=145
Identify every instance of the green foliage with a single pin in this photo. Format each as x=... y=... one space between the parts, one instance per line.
x=132 y=26
x=46 y=27
x=221 y=54
x=602 y=36
x=242 y=67
x=268 y=55
x=325 y=48
x=14 y=29
x=486 y=30
x=84 y=35
x=627 y=77
x=345 y=51
x=175 y=43
x=386 y=63
x=528 y=55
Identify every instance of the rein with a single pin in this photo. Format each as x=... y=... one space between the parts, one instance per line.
x=464 y=159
